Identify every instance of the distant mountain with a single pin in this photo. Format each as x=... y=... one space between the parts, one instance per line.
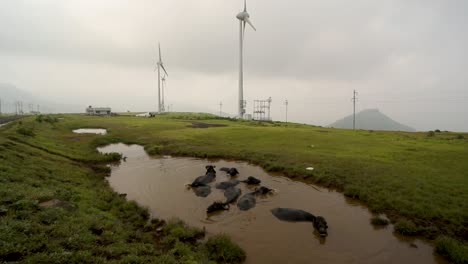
x=371 y=119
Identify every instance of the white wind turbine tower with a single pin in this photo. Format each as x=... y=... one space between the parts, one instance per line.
x=163 y=85
x=160 y=65
x=244 y=18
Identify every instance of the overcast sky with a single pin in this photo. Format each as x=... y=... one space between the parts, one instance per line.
x=406 y=57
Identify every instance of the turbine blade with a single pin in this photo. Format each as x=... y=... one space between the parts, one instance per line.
x=162 y=66
x=159 y=46
x=243 y=30
x=250 y=23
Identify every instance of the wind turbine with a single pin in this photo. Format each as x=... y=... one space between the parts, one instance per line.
x=163 y=84
x=160 y=65
x=244 y=18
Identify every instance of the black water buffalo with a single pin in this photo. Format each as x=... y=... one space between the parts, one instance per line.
x=321 y=225
x=247 y=202
x=231 y=171
x=202 y=190
x=203 y=180
x=210 y=168
x=217 y=206
x=263 y=190
x=296 y=215
x=231 y=194
x=227 y=184
x=252 y=180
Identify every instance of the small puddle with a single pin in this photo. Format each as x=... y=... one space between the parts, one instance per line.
x=98 y=131
x=159 y=184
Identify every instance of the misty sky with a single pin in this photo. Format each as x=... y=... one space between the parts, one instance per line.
x=406 y=57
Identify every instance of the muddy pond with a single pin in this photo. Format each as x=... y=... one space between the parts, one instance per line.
x=160 y=185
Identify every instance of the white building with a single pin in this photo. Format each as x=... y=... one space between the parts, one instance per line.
x=98 y=110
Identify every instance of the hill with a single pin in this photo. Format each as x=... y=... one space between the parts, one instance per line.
x=372 y=119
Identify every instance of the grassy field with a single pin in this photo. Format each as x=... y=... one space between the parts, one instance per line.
x=420 y=180
x=56 y=207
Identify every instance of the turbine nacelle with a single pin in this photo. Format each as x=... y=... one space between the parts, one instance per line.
x=243 y=15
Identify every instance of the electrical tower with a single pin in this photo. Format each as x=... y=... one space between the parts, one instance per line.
x=262 y=110
x=354 y=99
x=220 y=108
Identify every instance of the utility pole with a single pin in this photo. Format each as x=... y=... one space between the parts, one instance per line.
x=286 y=104
x=220 y=108
x=354 y=99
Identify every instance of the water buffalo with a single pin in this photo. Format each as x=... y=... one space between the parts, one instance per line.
x=202 y=190
x=231 y=194
x=210 y=168
x=252 y=180
x=217 y=206
x=296 y=215
x=247 y=202
x=227 y=184
x=231 y=171
x=203 y=180
x=321 y=225
x=263 y=190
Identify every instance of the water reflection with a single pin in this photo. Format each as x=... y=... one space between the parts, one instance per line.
x=98 y=131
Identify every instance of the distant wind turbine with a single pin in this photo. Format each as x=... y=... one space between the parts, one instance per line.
x=163 y=85
x=160 y=65
x=244 y=18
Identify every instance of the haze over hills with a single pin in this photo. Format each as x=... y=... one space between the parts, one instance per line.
x=10 y=94
x=371 y=119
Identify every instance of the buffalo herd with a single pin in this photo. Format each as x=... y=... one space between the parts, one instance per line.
x=232 y=193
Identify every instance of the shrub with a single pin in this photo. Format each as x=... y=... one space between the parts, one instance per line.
x=48 y=119
x=154 y=149
x=379 y=221
x=222 y=249
x=177 y=230
x=437 y=130
x=460 y=136
x=407 y=228
x=352 y=191
x=26 y=131
x=453 y=249
x=430 y=133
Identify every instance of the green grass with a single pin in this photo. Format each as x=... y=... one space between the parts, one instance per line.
x=419 y=178
x=91 y=224
x=454 y=250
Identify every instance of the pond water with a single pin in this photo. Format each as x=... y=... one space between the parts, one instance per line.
x=159 y=184
x=98 y=131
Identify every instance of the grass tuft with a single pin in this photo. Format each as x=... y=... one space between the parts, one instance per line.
x=223 y=250
x=379 y=221
x=453 y=249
